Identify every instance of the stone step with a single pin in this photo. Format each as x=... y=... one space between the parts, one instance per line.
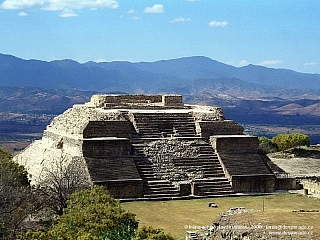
x=217 y=187
x=161 y=195
x=213 y=194
x=213 y=175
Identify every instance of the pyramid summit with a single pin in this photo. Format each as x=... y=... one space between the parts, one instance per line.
x=151 y=147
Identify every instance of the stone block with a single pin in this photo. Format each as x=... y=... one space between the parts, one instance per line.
x=172 y=100
x=253 y=183
x=185 y=189
x=235 y=143
x=98 y=148
x=227 y=127
x=122 y=189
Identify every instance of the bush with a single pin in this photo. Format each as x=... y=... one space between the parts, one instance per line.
x=286 y=141
x=150 y=233
x=266 y=145
x=16 y=198
x=91 y=214
x=94 y=214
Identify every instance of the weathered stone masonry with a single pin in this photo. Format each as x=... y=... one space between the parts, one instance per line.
x=152 y=147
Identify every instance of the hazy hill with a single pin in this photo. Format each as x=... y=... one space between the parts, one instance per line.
x=247 y=94
x=164 y=76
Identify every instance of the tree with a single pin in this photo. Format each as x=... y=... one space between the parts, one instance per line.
x=95 y=214
x=150 y=233
x=91 y=214
x=59 y=179
x=266 y=145
x=17 y=200
x=286 y=141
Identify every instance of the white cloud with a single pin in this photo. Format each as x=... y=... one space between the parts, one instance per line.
x=218 y=24
x=270 y=62
x=180 y=19
x=310 y=64
x=157 y=8
x=131 y=11
x=66 y=6
x=193 y=0
x=66 y=13
x=100 y=60
x=22 y=14
x=243 y=63
x=136 y=17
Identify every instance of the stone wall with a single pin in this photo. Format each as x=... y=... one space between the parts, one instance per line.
x=227 y=127
x=313 y=185
x=124 y=189
x=286 y=184
x=253 y=183
x=74 y=120
x=111 y=100
x=162 y=153
x=120 y=129
x=99 y=148
x=235 y=143
x=206 y=113
x=172 y=100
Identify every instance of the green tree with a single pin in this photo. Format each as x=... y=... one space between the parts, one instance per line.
x=95 y=214
x=150 y=233
x=286 y=141
x=16 y=198
x=59 y=179
x=266 y=145
x=91 y=214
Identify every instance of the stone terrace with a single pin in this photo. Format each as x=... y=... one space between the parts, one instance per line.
x=153 y=147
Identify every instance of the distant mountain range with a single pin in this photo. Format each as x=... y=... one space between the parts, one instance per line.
x=252 y=93
x=179 y=75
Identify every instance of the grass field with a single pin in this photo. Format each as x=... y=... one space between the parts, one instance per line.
x=178 y=216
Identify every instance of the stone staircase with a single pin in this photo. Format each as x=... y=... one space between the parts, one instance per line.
x=161 y=189
x=244 y=163
x=154 y=188
x=206 y=161
x=210 y=180
x=156 y=125
x=212 y=187
x=111 y=168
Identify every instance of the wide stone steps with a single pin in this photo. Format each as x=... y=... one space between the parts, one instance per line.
x=163 y=124
x=244 y=164
x=205 y=162
x=161 y=189
x=211 y=187
x=111 y=168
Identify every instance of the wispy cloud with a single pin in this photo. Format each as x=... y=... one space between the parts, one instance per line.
x=243 y=63
x=136 y=17
x=132 y=11
x=310 y=64
x=22 y=14
x=193 y=0
x=270 y=62
x=180 y=19
x=157 y=8
x=99 y=60
x=218 y=23
x=67 y=13
x=66 y=6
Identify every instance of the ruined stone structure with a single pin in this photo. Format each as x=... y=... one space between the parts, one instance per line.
x=152 y=147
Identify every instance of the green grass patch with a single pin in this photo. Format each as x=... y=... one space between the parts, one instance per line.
x=176 y=216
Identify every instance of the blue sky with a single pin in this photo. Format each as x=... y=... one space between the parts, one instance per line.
x=272 y=33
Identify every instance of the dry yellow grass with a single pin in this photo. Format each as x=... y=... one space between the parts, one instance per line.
x=176 y=216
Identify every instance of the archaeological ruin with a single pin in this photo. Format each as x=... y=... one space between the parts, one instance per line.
x=153 y=147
